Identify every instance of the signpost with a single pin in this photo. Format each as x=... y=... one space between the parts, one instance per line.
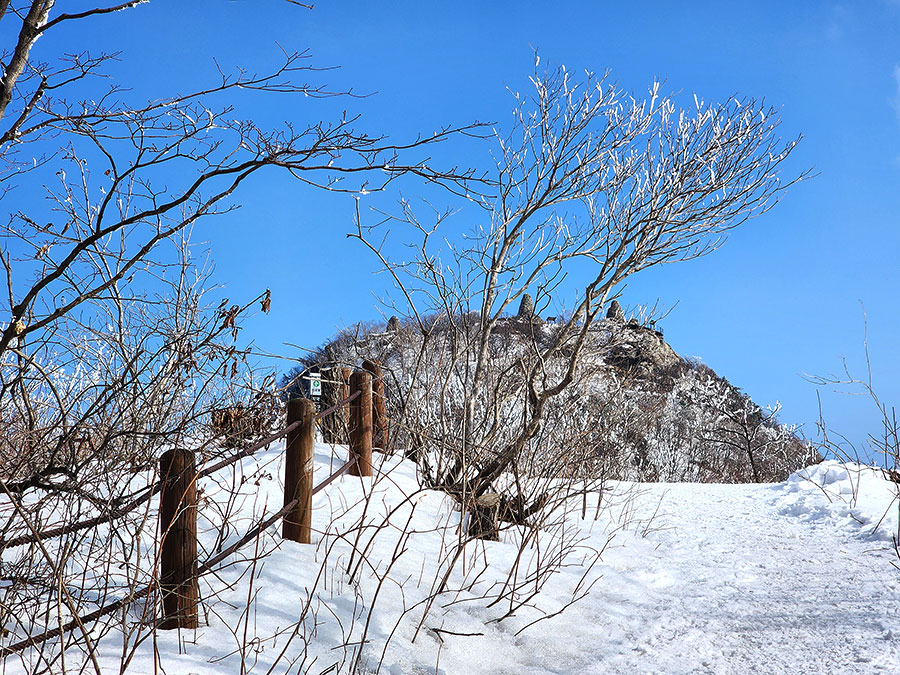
x=315 y=386
x=313 y=382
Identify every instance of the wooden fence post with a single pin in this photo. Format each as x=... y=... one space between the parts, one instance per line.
x=346 y=373
x=178 y=528
x=298 y=470
x=361 y=423
x=379 y=412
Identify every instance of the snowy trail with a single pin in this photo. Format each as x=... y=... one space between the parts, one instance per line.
x=743 y=579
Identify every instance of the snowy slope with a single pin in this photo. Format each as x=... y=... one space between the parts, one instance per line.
x=786 y=578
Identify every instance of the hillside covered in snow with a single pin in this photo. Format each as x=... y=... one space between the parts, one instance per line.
x=792 y=577
x=635 y=409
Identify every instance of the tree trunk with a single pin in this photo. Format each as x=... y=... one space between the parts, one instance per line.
x=484 y=521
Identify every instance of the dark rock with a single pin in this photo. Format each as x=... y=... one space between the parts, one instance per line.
x=615 y=311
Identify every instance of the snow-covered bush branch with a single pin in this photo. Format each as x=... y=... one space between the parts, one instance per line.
x=588 y=177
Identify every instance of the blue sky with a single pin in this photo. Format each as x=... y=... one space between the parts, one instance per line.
x=782 y=298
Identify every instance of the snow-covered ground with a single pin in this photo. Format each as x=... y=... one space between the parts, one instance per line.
x=788 y=578
x=747 y=578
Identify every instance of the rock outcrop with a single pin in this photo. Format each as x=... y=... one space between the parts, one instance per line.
x=615 y=312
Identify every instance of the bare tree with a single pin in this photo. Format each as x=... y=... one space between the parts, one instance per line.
x=110 y=350
x=492 y=401
x=742 y=429
x=588 y=176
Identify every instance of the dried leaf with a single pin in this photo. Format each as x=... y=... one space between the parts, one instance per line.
x=230 y=316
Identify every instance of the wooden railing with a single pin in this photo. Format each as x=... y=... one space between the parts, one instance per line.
x=179 y=569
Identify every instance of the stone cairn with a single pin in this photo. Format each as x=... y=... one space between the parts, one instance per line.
x=526 y=308
x=615 y=312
